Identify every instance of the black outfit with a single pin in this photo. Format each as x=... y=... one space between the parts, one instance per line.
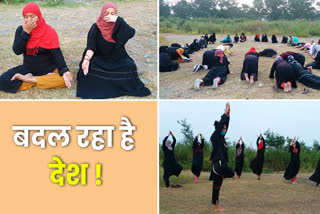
x=42 y=63
x=202 y=43
x=250 y=66
x=316 y=63
x=243 y=38
x=212 y=38
x=217 y=70
x=211 y=171
x=264 y=38
x=294 y=164
x=220 y=157
x=165 y=63
x=194 y=47
x=284 y=40
x=206 y=38
x=176 y=45
x=112 y=72
x=197 y=159
x=298 y=56
x=268 y=52
x=274 y=39
x=257 y=39
x=170 y=164
x=209 y=59
x=239 y=158
x=315 y=177
x=257 y=163
x=236 y=39
x=304 y=76
x=284 y=73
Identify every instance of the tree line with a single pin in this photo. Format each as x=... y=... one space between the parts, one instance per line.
x=268 y=10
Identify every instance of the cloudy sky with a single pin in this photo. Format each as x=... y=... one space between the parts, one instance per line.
x=248 y=118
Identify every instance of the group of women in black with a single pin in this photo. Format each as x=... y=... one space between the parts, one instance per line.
x=219 y=158
x=106 y=70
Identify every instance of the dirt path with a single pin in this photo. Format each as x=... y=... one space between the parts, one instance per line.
x=179 y=84
x=72 y=25
x=272 y=194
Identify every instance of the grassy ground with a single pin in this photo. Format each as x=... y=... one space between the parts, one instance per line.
x=272 y=194
x=72 y=25
x=179 y=84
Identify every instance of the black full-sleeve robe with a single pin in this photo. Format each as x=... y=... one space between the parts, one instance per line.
x=250 y=66
x=112 y=72
x=294 y=164
x=239 y=158
x=170 y=164
x=257 y=163
x=197 y=157
x=284 y=73
x=315 y=177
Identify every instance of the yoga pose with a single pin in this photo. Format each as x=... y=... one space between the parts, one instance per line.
x=236 y=38
x=268 y=53
x=264 y=38
x=257 y=38
x=304 y=76
x=316 y=63
x=298 y=56
x=315 y=177
x=43 y=63
x=294 y=164
x=170 y=164
x=165 y=63
x=197 y=158
x=292 y=41
x=284 y=40
x=250 y=67
x=274 y=39
x=194 y=47
x=212 y=38
x=106 y=69
x=257 y=163
x=217 y=74
x=243 y=38
x=202 y=43
x=221 y=170
x=285 y=75
x=227 y=39
x=239 y=157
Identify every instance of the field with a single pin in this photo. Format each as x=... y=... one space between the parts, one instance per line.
x=272 y=194
x=179 y=84
x=72 y=25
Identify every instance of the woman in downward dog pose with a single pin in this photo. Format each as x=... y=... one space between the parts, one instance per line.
x=197 y=160
x=250 y=67
x=239 y=157
x=257 y=163
x=220 y=168
x=294 y=164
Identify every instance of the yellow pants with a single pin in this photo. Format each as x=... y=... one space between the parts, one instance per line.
x=51 y=80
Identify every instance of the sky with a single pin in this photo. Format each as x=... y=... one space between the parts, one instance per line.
x=248 y=2
x=248 y=118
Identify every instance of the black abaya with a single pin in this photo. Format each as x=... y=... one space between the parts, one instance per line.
x=170 y=164
x=264 y=38
x=239 y=158
x=284 y=40
x=268 y=53
x=315 y=177
x=218 y=70
x=112 y=72
x=257 y=163
x=250 y=66
x=197 y=160
x=274 y=39
x=284 y=73
x=294 y=164
x=212 y=38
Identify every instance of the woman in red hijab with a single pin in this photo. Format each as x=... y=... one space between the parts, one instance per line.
x=257 y=38
x=43 y=63
x=106 y=69
x=257 y=163
x=250 y=66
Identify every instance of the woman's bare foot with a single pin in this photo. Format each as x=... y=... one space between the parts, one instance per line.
x=251 y=80
x=289 y=87
x=285 y=88
x=25 y=78
x=247 y=78
x=218 y=209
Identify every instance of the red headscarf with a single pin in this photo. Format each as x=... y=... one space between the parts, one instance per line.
x=106 y=28
x=260 y=145
x=257 y=35
x=252 y=50
x=219 y=53
x=43 y=35
x=295 y=149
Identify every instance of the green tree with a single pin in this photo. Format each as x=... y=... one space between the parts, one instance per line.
x=164 y=9
x=274 y=140
x=183 y=9
x=187 y=132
